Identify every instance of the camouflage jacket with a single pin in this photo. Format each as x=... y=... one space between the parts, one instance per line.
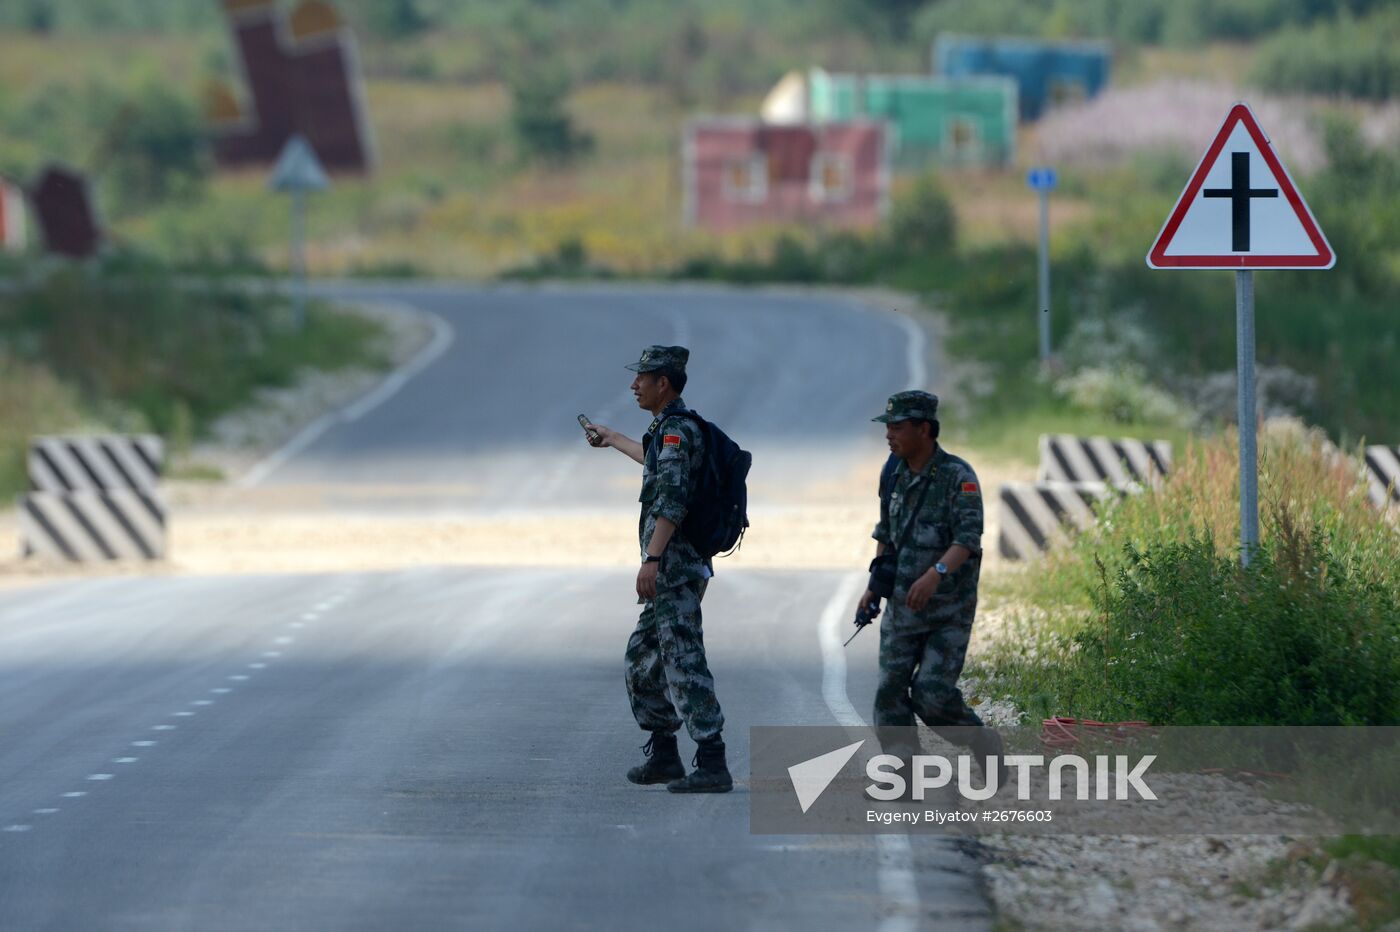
x=674 y=452
x=951 y=513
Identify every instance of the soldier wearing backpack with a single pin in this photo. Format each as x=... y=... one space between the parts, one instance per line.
x=927 y=567
x=679 y=529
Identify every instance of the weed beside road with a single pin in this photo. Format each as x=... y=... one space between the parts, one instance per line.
x=126 y=345
x=1148 y=616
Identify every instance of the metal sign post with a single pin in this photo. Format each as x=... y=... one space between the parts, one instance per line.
x=1249 y=454
x=298 y=171
x=297 y=259
x=1042 y=181
x=1242 y=213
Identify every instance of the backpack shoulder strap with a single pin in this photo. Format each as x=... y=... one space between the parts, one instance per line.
x=652 y=448
x=887 y=474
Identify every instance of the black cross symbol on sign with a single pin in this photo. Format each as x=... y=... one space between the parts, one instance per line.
x=1239 y=192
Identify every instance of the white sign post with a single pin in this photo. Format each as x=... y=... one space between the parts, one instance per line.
x=296 y=172
x=1241 y=211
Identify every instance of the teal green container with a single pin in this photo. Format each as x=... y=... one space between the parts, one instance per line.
x=933 y=121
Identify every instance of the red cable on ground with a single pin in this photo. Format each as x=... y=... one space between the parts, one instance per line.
x=1064 y=732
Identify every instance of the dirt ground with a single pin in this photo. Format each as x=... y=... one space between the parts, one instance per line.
x=216 y=528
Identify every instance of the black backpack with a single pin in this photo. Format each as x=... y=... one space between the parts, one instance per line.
x=717 y=516
x=887 y=480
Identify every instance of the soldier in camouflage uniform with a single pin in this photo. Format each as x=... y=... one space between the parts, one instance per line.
x=926 y=628
x=668 y=678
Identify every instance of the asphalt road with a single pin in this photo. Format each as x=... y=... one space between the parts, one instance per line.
x=444 y=748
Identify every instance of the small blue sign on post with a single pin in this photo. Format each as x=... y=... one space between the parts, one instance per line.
x=1041 y=180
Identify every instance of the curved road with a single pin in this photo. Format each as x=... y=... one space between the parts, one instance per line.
x=444 y=747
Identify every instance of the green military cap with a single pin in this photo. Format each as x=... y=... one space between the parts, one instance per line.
x=662 y=357
x=904 y=406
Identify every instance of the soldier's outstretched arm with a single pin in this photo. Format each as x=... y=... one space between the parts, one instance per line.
x=607 y=437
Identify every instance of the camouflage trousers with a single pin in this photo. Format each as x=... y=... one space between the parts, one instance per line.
x=919 y=669
x=666 y=669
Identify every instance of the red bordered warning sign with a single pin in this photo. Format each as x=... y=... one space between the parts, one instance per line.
x=1241 y=210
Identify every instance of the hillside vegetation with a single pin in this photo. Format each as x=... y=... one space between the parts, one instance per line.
x=543 y=141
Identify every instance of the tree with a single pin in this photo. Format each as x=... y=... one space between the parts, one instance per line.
x=155 y=151
x=543 y=127
x=397 y=19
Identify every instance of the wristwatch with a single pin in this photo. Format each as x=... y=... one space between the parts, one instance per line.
x=942 y=568
x=648 y=558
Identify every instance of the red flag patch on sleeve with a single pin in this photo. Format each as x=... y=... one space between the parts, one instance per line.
x=671 y=440
x=971 y=487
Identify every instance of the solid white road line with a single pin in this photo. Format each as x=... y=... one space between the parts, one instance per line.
x=442 y=339
x=894 y=858
x=915 y=352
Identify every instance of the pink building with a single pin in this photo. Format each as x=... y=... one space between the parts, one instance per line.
x=740 y=172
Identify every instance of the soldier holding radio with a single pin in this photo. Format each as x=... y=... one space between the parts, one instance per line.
x=927 y=565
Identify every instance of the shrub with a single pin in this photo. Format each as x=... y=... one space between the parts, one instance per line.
x=127 y=336
x=1149 y=616
x=1185 y=636
x=922 y=223
x=1350 y=57
x=543 y=128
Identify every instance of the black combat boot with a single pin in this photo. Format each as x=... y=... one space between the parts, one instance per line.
x=985 y=745
x=711 y=774
x=663 y=761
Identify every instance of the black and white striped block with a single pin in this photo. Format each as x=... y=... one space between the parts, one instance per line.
x=1120 y=463
x=70 y=464
x=92 y=526
x=1034 y=515
x=94 y=499
x=1383 y=474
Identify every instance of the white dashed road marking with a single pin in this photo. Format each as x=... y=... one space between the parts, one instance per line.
x=220 y=690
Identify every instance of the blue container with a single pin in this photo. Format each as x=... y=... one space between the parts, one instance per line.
x=1046 y=73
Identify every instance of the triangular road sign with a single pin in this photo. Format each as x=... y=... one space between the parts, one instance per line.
x=1240 y=210
x=298 y=169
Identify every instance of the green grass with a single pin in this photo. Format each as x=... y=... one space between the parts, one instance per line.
x=1148 y=615
x=125 y=346
x=1371 y=874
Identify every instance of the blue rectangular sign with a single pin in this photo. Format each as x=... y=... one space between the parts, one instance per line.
x=1041 y=179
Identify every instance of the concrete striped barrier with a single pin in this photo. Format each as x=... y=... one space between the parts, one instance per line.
x=1035 y=515
x=94 y=499
x=68 y=464
x=1122 y=463
x=1383 y=475
x=93 y=526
